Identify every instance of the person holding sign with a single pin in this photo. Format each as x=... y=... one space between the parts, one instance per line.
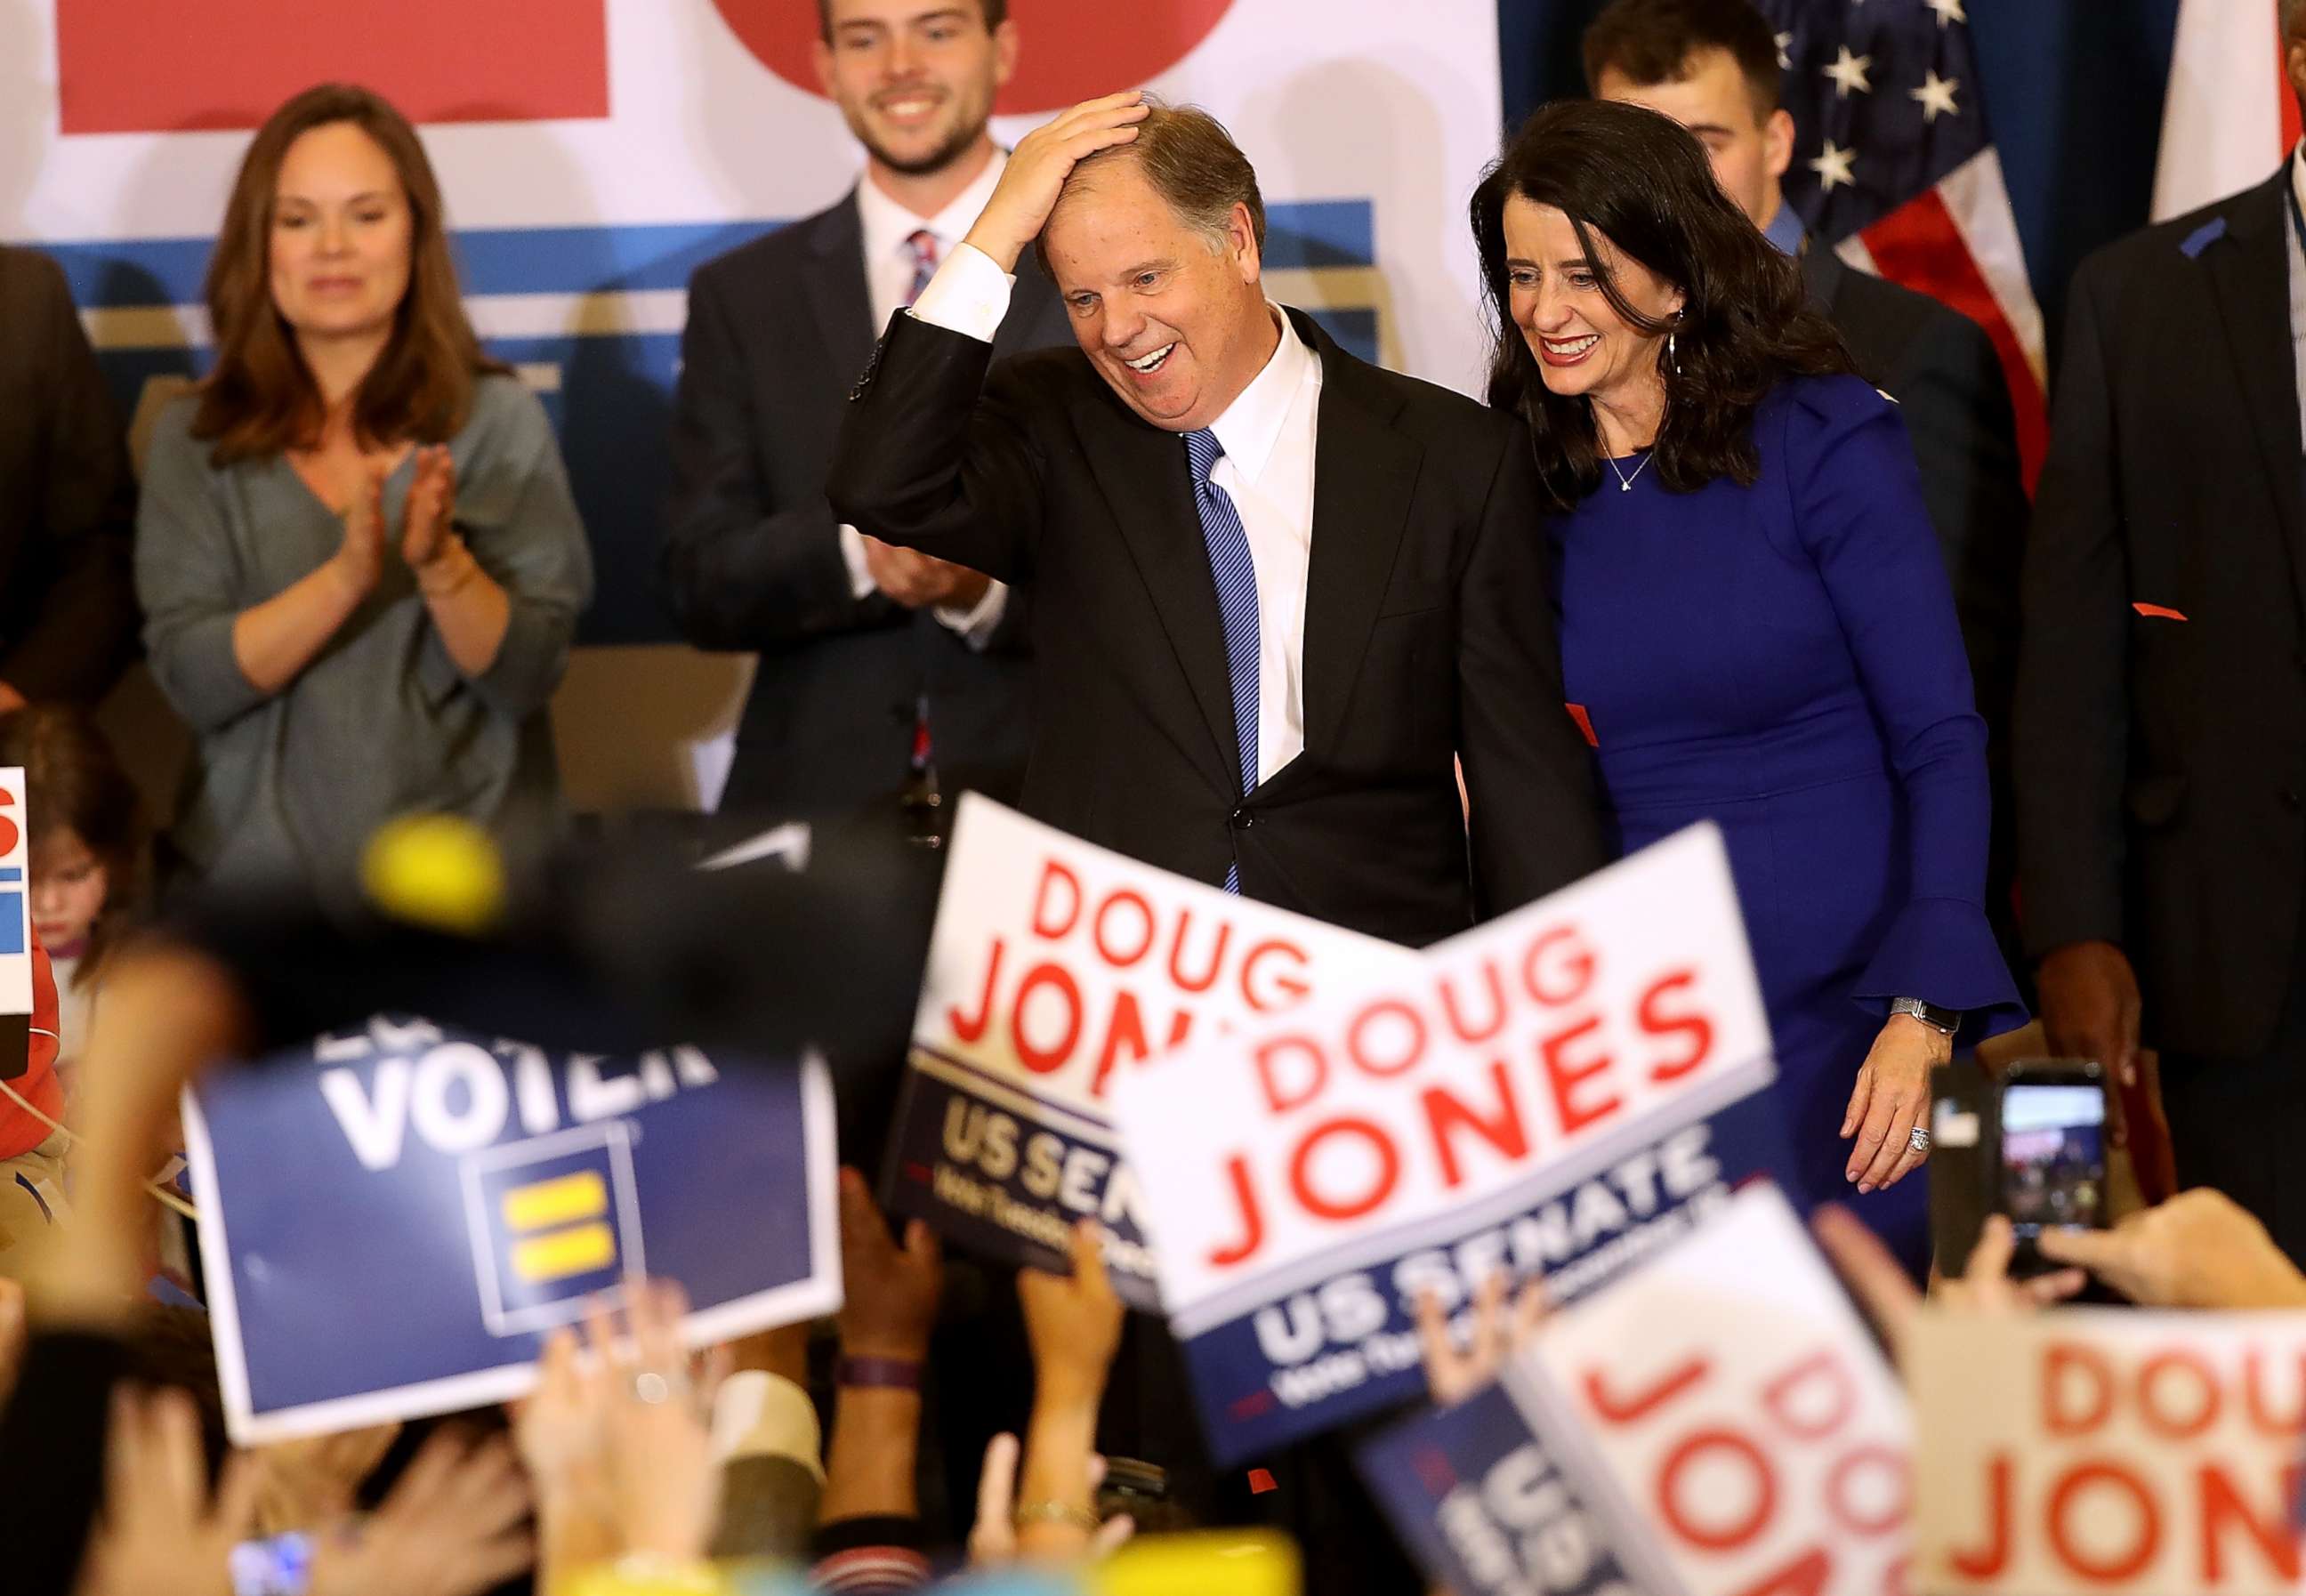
x=1755 y=624
x=1277 y=592
x=359 y=564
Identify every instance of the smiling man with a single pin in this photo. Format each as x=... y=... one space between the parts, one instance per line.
x=870 y=656
x=1277 y=592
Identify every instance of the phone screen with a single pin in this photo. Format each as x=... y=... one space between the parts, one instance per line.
x=2052 y=1155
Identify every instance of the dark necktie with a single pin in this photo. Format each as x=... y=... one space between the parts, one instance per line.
x=1230 y=563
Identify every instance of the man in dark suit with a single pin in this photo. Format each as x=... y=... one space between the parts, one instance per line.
x=1713 y=66
x=68 y=614
x=2162 y=689
x=870 y=657
x=1274 y=590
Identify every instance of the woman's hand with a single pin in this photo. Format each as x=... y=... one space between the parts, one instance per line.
x=359 y=559
x=1073 y=1322
x=1893 y=1097
x=455 y=1525
x=425 y=525
x=1451 y=1376
x=161 y=1528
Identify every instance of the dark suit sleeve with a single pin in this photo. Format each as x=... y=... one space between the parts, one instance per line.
x=936 y=457
x=1529 y=777
x=735 y=577
x=1957 y=409
x=2072 y=716
x=81 y=628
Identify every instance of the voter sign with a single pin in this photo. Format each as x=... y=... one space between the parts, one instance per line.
x=1729 y=1418
x=15 y=927
x=2097 y=1449
x=1562 y=1092
x=1055 y=968
x=1474 y=1497
x=393 y=1217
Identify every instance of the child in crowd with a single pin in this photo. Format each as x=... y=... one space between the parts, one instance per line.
x=86 y=853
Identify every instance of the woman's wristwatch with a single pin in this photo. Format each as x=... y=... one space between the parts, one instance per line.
x=1945 y=1021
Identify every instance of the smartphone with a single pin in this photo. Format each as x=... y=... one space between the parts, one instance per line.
x=2052 y=1151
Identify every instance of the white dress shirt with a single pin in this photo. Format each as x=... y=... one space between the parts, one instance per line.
x=889 y=270
x=1268 y=433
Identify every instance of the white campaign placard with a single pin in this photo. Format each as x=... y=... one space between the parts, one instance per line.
x=16 y=901
x=1729 y=1418
x=1560 y=1091
x=2090 y=1449
x=1057 y=969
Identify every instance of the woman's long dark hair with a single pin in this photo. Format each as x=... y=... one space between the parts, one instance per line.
x=1641 y=181
x=259 y=399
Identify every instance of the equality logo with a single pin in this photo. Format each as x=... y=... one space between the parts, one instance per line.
x=1072 y=51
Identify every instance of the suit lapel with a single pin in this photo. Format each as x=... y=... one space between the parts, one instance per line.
x=2249 y=282
x=1365 y=472
x=833 y=278
x=1822 y=271
x=1142 y=471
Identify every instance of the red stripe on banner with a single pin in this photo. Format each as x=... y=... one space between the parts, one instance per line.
x=129 y=66
x=2283 y=95
x=2158 y=611
x=1918 y=245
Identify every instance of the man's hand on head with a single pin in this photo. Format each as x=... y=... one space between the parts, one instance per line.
x=1037 y=169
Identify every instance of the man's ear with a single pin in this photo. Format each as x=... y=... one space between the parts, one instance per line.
x=820 y=54
x=1778 y=141
x=1004 y=51
x=1240 y=244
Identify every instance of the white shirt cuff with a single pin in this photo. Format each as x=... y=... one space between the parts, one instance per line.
x=759 y=1414
x=969 y=294
x=977 y=623
x=852 y=555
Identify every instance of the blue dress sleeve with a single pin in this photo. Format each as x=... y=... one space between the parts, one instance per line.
x=1859 y=512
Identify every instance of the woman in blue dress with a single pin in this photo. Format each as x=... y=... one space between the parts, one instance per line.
x=1756 y=629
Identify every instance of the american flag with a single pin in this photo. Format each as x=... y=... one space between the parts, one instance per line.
x=1894 y=167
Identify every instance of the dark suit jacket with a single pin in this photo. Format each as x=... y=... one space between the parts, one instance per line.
x=67 y=499
x=1428 y=631
x=777 y=331
x=2162 y=760
x=1944 y=373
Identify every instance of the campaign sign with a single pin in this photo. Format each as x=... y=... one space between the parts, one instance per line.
x=2095 y=1449
x=1562 y=1091
x=1728 y=1419
x=1482 y=1508
x=392 y=1218
x=15 y=926
x=1055 y=968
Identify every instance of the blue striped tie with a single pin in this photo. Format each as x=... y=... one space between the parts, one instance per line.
x=1236 y=579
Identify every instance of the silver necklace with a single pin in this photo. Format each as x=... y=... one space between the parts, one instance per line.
x=1625 y=482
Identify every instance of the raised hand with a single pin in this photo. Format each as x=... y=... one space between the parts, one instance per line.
x=1451 y=1376
x=891 y=1305
x=453 y=1526
x=1037 y=169
x=161 y=1528
x=1073 y=1322
x=2199 y=1250
x=425 y=535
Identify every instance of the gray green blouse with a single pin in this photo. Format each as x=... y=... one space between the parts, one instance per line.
x=382 y=722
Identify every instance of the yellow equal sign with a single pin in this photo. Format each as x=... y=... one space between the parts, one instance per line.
x=570 y=1212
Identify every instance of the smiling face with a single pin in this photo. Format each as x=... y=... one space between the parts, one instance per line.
x=1750 y=151
x=1175 y=321
x=340 y=236
x=915 y=79
x=1583 y=346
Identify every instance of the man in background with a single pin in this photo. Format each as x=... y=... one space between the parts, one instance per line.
x=874 y=660
x=68 y=614
x=1713 y=66
x=2162 y=695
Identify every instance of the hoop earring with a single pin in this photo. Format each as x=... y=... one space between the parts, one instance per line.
x=1673 y=363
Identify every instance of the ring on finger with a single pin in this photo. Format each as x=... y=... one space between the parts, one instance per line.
x=1918 y=1140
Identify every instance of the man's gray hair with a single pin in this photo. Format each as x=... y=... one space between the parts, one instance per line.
x=1192 y=163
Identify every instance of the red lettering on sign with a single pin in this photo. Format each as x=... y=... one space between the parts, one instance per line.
x=2146 y=1541
x=1143 y=931
x=1051 y=978
x=1808 y=1574
x=1481 y=1032
x=1668 y=1387
x=1821 y=1371
x=1045 y=922
x=1502 y=1129
x=1738 y=1532
x=1252 y=1218
x=1373 y=1051
x=1564 y=980
x=1658 y=1020
x=2185 y=1421
x=1986 y=1562
x=1274 y=1056
x=1208 y=977
x=1325 y=1206
x=2272 y=1532
x=2065 y=1365
x=1890 y=1461
x=1566 y=1076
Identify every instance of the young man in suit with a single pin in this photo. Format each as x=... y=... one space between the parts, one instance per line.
x=68 y=614
x=866 y=652
x=1275 y=590
x=1713 y=66
x=2162 y=689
